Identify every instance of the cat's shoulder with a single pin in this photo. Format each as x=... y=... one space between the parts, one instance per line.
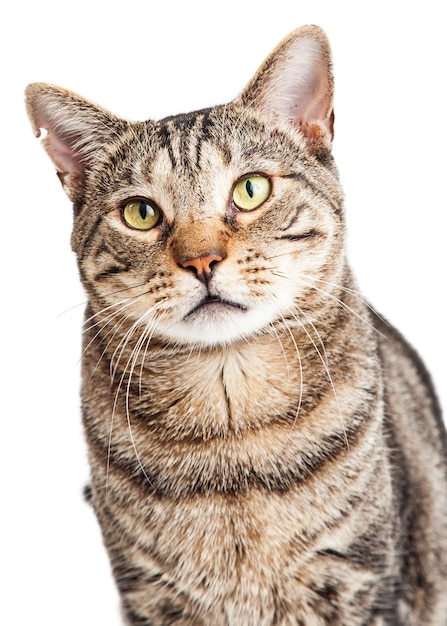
x=407 y=377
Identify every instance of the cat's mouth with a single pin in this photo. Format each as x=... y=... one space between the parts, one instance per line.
x=213 y=302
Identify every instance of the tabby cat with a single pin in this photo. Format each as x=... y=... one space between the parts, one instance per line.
x=265 y=449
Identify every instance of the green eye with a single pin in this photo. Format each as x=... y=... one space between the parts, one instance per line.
x=251 y=192
x=141 y=215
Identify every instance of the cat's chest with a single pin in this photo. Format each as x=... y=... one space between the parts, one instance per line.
x=222 y=421
x=238 y=554
x=219 y=476
x=194 y=396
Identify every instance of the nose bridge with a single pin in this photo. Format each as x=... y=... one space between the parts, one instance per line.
x=199 y=242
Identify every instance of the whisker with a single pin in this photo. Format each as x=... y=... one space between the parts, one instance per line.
x=127 y=301
x=105 y=322
x=358 y=295
x=324 y=360
x=129 y=368
x=123 y=340
x=276 y=256
x=115 y=403
x=105 y=295
x=71 y=308
x=113 y=332
x=133 y=361
x=279 y=274
x=122 y=344
x=101 y=312
x=345 y=306
x=275 y=332
x=300 y=365
x=151 y=330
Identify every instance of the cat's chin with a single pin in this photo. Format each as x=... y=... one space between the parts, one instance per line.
x=214 y=306
x=215 y=323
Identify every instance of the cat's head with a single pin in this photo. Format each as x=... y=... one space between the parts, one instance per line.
x=209 y=227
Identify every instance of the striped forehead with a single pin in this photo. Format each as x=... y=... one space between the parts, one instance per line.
x=191 y=166
x=186 y=138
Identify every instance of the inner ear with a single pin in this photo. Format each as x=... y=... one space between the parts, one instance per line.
x=295 y=83
x=77 y=132
x=70 y=165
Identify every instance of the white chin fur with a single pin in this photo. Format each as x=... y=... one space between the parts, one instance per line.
x=211 y=327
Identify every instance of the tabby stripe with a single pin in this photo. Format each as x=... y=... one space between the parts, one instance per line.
x=208 y=125
x=292 y=221
x=203 y=134
x=119 y=265
x=311 y=234
x=200 y=128
x=318 y=192
x=113 y=269
x=136 y=619
x=366 y=562
x=102 y=248
x=197 y=139
x=294 y=218
x=166 y=142
x=85 y=247
x=124 y=524
x=237 y=479
x=126 y=514
x=128 y=578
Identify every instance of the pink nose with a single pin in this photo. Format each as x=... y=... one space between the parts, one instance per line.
x=202 y=265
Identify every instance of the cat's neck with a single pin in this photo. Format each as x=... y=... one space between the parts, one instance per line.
x=274 y=376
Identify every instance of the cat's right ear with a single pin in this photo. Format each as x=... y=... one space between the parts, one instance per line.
x=77 y=132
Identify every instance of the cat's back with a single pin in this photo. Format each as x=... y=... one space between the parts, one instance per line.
x=417 y=442
x=410 y=396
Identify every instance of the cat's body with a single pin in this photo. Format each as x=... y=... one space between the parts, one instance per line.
x=264 y=449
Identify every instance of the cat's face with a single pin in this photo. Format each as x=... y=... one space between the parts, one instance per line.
x=209 y=227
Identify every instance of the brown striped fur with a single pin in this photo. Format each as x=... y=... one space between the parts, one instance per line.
x=274 y=454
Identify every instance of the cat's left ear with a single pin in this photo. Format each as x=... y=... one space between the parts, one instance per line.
x=78 y=131
x=296 y=83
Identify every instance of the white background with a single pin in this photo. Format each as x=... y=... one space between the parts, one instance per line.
x=146 y=59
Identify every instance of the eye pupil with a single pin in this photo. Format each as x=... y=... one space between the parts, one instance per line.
x=249 y=188
x=143 y=210
x=146 y=210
